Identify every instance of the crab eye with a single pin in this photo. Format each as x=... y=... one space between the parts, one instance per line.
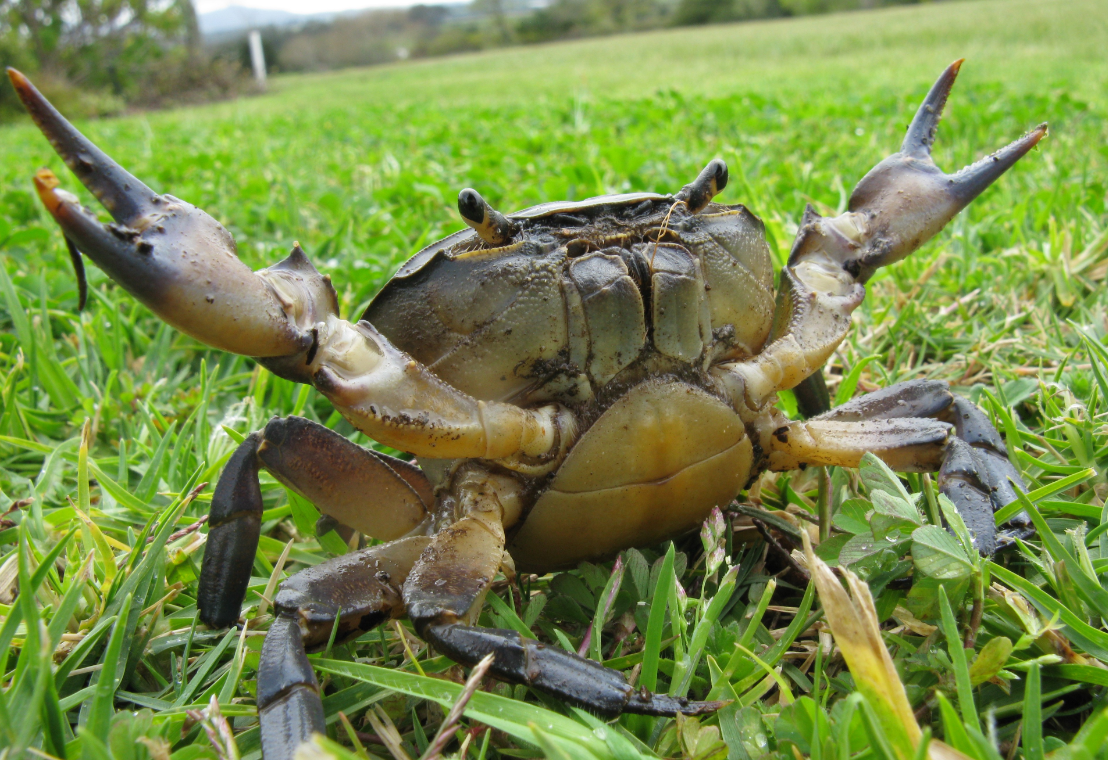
x=489 y=224
x=708 y=184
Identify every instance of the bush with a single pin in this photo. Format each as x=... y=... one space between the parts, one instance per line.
x=94 y=59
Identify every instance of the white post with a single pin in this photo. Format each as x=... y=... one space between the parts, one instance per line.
x=257 y=57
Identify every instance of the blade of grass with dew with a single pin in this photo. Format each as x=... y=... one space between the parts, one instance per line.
x=653 y=644
x=1091 y=640
x=99 y=707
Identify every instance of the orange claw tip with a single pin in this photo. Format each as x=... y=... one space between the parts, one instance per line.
x=46 y=180
x=46 y=185
x=22 y=84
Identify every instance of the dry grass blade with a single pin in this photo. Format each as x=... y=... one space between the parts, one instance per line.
x=386 y=732
x=274 y=578
x=857 y=631
x=446 y=730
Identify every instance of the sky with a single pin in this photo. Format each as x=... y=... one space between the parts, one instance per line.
x=302 y=6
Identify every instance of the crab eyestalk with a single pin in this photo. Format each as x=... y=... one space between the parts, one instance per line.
x=489 y=224
x=708 y=184
x=167 y=253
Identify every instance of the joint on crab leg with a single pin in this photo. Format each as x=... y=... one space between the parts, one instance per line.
x=336 y=475
x=489 y=224
x=361 y=589
x=398 y=401
x=708 y=184
x=915 y=426
x=289 y=707
x=978 y=469
x=330 y=471
x=445 y=589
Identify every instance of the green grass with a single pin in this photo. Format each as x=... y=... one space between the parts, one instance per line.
x=363 y=167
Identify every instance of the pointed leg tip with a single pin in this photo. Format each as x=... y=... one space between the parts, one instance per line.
x=921 y=132
x=46 y=179
x=945 y=82
x=971 y=181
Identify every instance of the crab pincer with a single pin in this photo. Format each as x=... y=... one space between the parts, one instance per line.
x=896 y=207
x=903 y=201
x=169 y=254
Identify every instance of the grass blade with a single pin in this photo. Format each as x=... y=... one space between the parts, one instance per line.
x=1032 y=741
x=958 y=659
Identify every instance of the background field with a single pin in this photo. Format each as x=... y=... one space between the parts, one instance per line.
x=363 y=168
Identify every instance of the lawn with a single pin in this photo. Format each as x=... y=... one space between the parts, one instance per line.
x=110 y=420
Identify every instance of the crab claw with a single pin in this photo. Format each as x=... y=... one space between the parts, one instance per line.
x=169 y=254
x=906 y=199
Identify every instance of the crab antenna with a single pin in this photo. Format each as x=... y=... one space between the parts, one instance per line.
x=492 y=226
x=708 y=184
x=921 y=132
x=124 y=196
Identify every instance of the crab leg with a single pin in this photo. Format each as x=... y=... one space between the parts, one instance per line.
x=182 y=264
x=362 y=590
x=916 y=426
x=445 y=589
x=376 y=494
x=897 y=207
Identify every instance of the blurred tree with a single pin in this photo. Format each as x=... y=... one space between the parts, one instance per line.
x=93 y=39
x=495 y=8
x=580 y=18
x=96 y=55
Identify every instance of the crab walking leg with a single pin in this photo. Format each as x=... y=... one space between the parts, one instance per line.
x=445 y=589
x=362 y=590
x=897 y=207
x=916 y=426
x=375 y=494
x=182 y=264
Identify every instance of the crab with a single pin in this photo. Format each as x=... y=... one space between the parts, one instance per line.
x=575 y=378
